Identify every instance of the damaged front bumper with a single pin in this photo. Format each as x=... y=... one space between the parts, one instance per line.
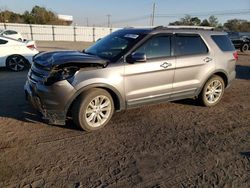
x=50 y=101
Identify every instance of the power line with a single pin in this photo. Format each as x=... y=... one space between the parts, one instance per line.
x=132 y=19
x=215 y=13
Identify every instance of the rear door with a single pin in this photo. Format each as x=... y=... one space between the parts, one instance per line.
x=193 y=61
x=152 y=80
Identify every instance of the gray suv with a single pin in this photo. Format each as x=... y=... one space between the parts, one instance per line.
x=129 y=68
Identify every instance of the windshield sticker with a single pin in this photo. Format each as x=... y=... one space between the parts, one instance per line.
x=132 y=36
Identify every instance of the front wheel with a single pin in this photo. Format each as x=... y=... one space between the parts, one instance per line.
x=93 y=109
x=212 y=91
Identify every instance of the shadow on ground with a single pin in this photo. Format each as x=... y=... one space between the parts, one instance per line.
x=243 y=72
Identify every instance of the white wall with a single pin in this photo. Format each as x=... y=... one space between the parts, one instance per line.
x=59 y=33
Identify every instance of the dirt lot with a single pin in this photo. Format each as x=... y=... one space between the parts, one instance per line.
x=176 y=144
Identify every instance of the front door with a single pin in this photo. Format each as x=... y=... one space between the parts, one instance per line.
x=151 y=81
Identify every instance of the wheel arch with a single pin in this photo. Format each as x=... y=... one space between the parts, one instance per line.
x=220 y=73
x=119 y=102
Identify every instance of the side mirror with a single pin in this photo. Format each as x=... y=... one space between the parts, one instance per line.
x=137 y=57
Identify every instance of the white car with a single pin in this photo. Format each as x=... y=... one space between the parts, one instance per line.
x=11 y=34
x=16 y=55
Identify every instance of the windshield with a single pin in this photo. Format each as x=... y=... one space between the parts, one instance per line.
x=113 y=46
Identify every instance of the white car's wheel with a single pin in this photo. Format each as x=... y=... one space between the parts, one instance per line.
x=16 y=63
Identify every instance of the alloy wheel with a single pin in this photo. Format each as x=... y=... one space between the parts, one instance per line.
x=98 y=111
x=214 y=91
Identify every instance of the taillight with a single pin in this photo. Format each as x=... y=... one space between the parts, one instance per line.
x=236 y=56
x=32 y=47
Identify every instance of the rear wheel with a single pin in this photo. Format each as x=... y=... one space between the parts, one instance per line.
x=244 y=47
x=16 y=63
x=212 y=91
x=93 y=109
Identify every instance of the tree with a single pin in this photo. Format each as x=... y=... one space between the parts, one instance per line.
x=205 y=22
x=187 y=20
x=195 y=21
x=38 y=15
x=213 y=21
x=237 y=25
x=8 y=16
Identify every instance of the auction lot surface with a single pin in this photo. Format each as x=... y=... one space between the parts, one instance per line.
x=177 y=144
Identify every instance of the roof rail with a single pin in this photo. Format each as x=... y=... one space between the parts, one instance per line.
x=159 y=27
x=190 y=27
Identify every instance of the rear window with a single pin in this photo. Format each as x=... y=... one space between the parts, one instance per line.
x=189 y=44
x=223 y=42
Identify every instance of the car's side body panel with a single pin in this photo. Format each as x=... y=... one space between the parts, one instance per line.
x=148 y=81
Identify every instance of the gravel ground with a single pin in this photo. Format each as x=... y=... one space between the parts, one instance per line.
x=177 y=144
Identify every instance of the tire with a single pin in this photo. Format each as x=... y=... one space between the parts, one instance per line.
x=244 y=47
x=98 y=114
x=212 y=91
x=16 y=63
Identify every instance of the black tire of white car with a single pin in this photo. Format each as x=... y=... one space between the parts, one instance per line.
x=209 y=93
x=244 y=47
x=87 y=110
x=16 y=63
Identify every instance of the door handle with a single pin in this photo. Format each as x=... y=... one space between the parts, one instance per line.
x=207 y=59
x=166 y=65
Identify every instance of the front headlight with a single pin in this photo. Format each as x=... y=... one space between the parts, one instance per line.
x=60 y=74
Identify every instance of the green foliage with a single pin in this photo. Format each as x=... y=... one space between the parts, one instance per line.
x=205 y=22
x=8 y=16
x=195 y=21
x=237 y=25
x=231 y=25
x=213 y=21
x=38 y=15
x=187 y=20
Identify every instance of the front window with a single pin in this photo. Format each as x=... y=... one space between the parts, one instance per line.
x=113 y=46
x=156 y=47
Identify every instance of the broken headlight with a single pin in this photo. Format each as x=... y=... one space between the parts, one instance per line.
x=60 y=74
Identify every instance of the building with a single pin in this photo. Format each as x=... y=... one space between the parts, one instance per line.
x=66 y=18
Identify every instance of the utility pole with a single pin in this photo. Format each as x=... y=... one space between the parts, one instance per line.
x=108 y=19
x=87 y=21
x=153 y=15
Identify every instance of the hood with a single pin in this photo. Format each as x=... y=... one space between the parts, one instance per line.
x=60 y=58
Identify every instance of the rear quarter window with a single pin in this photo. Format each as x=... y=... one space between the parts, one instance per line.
x=189 y=44
x=223 y=42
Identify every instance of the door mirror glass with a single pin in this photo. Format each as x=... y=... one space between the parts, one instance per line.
x=137 y=57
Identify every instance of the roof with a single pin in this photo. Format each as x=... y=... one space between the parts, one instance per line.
x=171 y=29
